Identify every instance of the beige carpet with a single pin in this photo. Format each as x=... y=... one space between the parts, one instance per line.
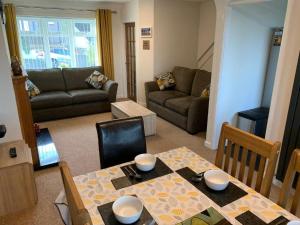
x=76 y=141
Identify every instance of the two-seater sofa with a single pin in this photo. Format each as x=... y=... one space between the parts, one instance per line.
x=183 y=105
x=64 y=93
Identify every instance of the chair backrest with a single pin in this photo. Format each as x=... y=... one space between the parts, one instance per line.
x=79 y=214
x=240 y=152
x=293 y=168
x=120 y=140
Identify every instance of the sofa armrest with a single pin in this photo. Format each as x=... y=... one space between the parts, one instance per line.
x=150 y=86
x=197 y=115
x=111 y=87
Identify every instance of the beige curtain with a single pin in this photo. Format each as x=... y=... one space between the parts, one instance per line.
x=12 y=31
x=104 y=39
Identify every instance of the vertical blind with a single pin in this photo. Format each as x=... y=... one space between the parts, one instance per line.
x=57 y=42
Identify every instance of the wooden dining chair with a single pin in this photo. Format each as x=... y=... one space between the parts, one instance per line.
x=79 y=214
x=120 y=140
x=293 y=168
x=246 y=156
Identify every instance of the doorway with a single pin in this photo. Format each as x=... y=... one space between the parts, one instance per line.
x=130 y=60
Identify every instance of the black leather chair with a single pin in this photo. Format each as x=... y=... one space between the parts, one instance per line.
x=120 y=140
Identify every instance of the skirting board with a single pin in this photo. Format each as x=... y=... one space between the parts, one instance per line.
x=208 y=145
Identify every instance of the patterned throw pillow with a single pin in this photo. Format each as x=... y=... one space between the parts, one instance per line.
x=165 y=81
x=206 y=91
x=97 y=80
x=31 y=88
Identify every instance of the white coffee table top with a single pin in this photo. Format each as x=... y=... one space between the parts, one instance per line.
x=132 y=109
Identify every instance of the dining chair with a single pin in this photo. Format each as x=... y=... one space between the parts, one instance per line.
x=246 y=157
x=293 y=169
x=120 y=140
x=79 y=214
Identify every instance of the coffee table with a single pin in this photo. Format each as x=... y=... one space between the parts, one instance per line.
x=130 y=108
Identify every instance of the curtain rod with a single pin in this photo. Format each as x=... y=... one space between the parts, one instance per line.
x=40 y=7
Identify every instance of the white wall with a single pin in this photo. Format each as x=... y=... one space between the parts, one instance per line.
x=285 y=75
x=117 y=26
x=242 y=68
x=8 y=107
x=142 y=13
x=176 y=34
x=130 y=12
x=145 y=58
x=206 y=33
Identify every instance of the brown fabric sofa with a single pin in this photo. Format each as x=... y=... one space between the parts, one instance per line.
x=64 y=93
x=182 y=105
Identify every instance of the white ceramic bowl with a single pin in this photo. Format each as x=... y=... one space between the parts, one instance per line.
x=145 y=162
x=216 y=179
x=294 y=222
x=127 y=209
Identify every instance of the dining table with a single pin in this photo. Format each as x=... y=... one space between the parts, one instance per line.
x=171 y=196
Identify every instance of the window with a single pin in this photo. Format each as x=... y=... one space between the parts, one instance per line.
x=57 y=42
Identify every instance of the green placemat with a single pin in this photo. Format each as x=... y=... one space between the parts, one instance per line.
x=209 y=216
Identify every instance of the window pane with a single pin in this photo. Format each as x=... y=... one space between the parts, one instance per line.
x=33 y=53
x=49 y=43
x=53 y=26
x=60 y=52
x=28 y=26
x=82 y=27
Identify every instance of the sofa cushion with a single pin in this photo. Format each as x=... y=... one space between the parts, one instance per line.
x=184 y=79
x=96 y=80
x=51 y=100
x=88 y=95
x=31 y=88
x=75 y=77
x=47 y=79
x=180 y=105
x=160 y=97
x=165 y=81
x=201 y=81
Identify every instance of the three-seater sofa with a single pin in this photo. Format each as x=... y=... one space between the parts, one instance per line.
x=182 y=105
x=64 y=93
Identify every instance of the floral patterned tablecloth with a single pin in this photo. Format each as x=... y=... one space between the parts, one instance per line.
x=171 y=199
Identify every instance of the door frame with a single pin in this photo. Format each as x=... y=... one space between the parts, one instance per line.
x=130 y=64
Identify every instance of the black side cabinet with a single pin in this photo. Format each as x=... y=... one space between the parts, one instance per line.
x=260 y=117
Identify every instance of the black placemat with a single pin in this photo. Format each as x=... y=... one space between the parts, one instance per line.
x=222 y=198
x=248 y=218
x=108 y=216
x=159 y=170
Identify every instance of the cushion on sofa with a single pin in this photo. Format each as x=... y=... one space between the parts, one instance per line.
x=180 y=105
x=88 y=95
x=51 y=100
x=160 y=97
x=184 y=79
x=75 y=77
x=201 y=81
x=96 y=80
x=47 y=79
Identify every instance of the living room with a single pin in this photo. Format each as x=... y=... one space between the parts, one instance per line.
x=180 y=37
